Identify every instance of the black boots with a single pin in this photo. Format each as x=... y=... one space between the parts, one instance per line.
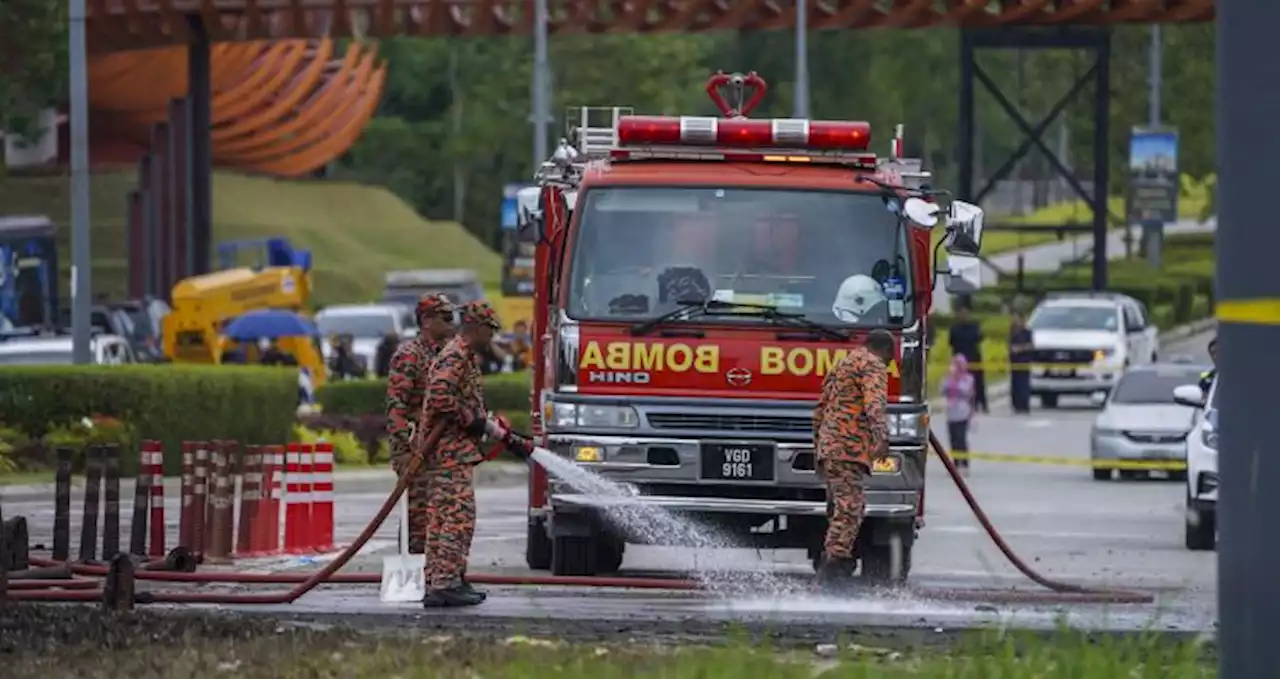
x=472 y=590
x=453 y=597
x=835 y=574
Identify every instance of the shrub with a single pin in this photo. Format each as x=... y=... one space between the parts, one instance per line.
x=172 y=403
x=347 y=449
x=502 y=392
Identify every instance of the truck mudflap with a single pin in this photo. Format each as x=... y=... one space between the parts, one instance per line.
x=727 y=505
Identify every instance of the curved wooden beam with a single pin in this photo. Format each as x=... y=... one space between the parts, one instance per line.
x=337 y=142
x=301 y=84
x=275 y=73
x=307 y=124
x=345 y=97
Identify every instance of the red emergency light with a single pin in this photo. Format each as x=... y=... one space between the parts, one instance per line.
x=780 y=133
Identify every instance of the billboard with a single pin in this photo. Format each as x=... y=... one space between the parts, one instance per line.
x=1153 y=175
x=518 y=246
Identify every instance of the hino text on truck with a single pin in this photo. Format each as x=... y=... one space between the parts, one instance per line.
x=697 y=278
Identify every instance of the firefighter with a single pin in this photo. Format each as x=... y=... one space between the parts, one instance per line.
x=406 y=383
x=850 y=430
x=1206 y=377
x=455 y=395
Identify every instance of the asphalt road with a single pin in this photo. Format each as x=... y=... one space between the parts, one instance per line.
x=1051 y=256
x=1064 y=524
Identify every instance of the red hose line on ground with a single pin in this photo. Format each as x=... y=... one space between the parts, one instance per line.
x=16 y=585
x=1060 y=592
x=1077 y=591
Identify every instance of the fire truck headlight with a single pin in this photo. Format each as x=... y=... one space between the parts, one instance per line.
x=908 y=425
x=568 y=415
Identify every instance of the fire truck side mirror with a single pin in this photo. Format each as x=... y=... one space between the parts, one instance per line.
x=922 y=213
x=964 y=229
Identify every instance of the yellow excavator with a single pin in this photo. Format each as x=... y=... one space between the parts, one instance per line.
x=204 y=305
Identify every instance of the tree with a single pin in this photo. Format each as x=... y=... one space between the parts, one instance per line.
x=33 y=61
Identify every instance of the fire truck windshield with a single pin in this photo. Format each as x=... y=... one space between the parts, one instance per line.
x=837 y=258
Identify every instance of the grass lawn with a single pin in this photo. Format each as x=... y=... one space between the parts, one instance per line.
x=355 y=232
x=254 y=650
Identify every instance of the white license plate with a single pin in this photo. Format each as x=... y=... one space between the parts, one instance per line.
x=1060 y=372
x=1155 y=454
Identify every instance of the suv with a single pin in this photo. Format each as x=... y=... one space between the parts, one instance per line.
x=1084 y=341
x=1202 y=467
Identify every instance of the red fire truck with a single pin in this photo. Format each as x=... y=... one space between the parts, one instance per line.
x=696 y=279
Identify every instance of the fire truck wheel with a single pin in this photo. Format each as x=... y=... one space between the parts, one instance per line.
x=573 y=555
x=537 y=546
x=887 y=563
x=609 y=553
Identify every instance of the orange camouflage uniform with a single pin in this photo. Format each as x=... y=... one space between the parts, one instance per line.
x=456 y=395
x=849 y=431
x=406 y=385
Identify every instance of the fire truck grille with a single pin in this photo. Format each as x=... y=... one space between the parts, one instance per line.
x=744 y=423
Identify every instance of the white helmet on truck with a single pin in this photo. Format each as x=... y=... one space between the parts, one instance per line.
x=857 y=295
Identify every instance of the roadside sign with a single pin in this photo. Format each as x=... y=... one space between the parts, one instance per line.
x=1154 y=181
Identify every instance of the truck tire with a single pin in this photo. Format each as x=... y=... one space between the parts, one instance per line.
x=573 y=556
x=609 y=553
x=1048 y=400
x=1202 y=536
x=879 y=561
x=1101 y=474
x=537 y=546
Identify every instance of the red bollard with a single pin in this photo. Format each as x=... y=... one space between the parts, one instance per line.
x=275 y=499
x=251 y=499
x=186 y=521
x=200 y=501
x=322 y=497
x=219 y=547
x=292 y=498
x=155 y=467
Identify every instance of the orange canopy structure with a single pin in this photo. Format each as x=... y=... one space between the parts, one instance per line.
x=284 y=107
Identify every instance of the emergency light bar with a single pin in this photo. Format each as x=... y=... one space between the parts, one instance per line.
x=780 y=133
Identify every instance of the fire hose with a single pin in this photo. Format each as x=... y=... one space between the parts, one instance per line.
x=77 y=590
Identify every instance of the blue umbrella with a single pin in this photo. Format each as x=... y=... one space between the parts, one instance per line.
x=269 y=324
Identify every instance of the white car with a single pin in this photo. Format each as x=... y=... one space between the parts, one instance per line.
x=1202 y=467
x=1084 y=341
x=367 y=324
x=57 y=350
x=1141 y=421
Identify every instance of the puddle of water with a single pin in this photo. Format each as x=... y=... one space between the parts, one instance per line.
x=722 y=577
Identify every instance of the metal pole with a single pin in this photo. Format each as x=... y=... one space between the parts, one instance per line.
x=801 y=105
x=81 y=258
x=1248 y=104
x=541 y=115
x=1156 y=80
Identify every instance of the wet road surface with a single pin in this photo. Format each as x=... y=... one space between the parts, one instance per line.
x=1119 y=534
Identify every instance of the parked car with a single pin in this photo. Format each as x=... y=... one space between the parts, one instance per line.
x=146 y=316
x=1140 y=421
x=1202 y=466
x=1084 y=341
x=104 y=349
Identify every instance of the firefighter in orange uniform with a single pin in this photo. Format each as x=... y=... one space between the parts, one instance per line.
x=850 y=430
x=455 y=395
x=406 y=382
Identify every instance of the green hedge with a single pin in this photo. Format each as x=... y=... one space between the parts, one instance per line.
x=506 y=392
x=172 y=403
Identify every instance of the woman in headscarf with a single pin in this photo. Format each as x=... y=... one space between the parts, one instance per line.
x=958 y=389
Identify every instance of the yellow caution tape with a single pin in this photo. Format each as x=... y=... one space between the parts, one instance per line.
x=993 y=366
x=1249 y=311
x=1145 y=465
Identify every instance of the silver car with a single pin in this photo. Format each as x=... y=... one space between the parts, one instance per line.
x=1141 y=422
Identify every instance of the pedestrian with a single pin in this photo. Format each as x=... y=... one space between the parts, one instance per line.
x=382 y=357
x=455 y=396
x=959 y=392
x=1207 y=377
x=965 y=338
x=1021 y=349
x=850 y=431
x=406 y=384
